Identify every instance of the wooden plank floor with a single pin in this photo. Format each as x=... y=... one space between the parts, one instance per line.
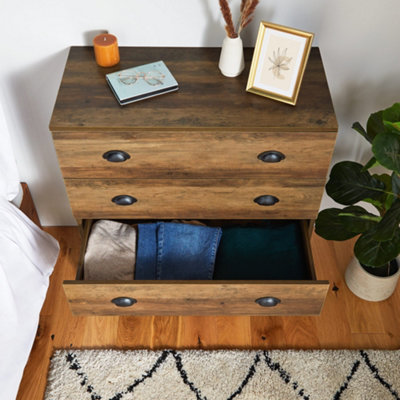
x=345 y=322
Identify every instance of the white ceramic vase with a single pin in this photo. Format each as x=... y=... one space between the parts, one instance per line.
x=367 y=286
x=231 y=61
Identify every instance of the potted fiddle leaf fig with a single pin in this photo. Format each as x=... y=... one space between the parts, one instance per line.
x=374 y=272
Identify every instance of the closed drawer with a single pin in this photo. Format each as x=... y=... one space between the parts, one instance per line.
x=211 y=297
x=194 y=154
x=289 y=198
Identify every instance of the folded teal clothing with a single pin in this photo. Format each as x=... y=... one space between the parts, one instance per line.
x=175 y=251
x=273 y=251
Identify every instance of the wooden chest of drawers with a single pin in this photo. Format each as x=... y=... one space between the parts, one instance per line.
x=208 y=151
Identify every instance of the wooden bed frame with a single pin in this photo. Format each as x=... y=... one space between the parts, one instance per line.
x=28 y=206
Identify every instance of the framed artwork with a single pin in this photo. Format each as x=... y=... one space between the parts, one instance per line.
x=279 y=60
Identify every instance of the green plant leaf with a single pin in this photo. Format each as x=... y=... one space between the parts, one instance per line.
x=391 y=118
x=389 y=201
x=358 y=220
x=380 y=206
x=387 y=198
x=342 y=224
x=349 y=184
x=393 y=126
x=375 y=125
x=371 y=163
x=357 y=127
x=387 y=227
x=396 y=184
x=332 y=227
x=392 y=114
x=386 y=148
x=385 y=178
x=373 y=253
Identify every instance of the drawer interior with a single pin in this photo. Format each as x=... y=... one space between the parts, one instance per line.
x=250 y=250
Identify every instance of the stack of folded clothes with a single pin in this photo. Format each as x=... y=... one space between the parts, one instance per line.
x=189 y=250
x=110 y=252
x=164 y=250
x=168 y=250
x=272 y=250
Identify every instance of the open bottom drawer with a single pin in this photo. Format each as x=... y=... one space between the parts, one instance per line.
x=201 y=297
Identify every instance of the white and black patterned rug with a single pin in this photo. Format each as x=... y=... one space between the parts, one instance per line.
x=224 y=375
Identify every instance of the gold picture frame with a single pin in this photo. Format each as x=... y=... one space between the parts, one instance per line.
x=279 y=60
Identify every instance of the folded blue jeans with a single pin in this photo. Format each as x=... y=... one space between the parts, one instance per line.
x=175 y=251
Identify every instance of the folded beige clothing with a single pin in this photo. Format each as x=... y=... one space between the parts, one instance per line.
x=111 y=252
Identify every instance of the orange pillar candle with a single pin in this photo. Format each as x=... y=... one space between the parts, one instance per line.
x=106 y=50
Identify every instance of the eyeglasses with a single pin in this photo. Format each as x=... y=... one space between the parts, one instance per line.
x=153 y=78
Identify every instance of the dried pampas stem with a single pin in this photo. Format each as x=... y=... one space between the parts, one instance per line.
x=246 y=15
x=247 y=8
x=226 y=13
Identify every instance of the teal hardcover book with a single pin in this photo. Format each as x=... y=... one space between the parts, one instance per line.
x=142 y=82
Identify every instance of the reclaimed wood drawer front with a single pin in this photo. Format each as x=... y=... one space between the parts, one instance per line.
x=193 y=154
x=196 y=297
x=210 y=297
x=196 y=198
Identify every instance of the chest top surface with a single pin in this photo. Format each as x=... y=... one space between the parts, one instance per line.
x=206 y=100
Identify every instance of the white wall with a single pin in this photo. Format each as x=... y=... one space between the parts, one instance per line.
x=359 y=42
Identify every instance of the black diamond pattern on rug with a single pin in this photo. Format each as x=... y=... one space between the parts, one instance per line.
x=375 y=371
x=224 y=375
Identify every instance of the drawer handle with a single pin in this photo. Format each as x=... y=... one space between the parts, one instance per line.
x=124 y=301
x=116 y=156
x=124 y=200
x=271 y=156
x=268 y=301
x=266 y=200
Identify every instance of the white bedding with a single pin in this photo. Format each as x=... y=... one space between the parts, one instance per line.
x=27 y=258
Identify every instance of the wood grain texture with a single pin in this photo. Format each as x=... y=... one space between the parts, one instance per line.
x=196 y=297
x=193 y=154
x=337 y=327
x=27 y=206
x=205 y=99
x=195 y=198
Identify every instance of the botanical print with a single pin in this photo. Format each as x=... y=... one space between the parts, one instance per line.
x=280 y=62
